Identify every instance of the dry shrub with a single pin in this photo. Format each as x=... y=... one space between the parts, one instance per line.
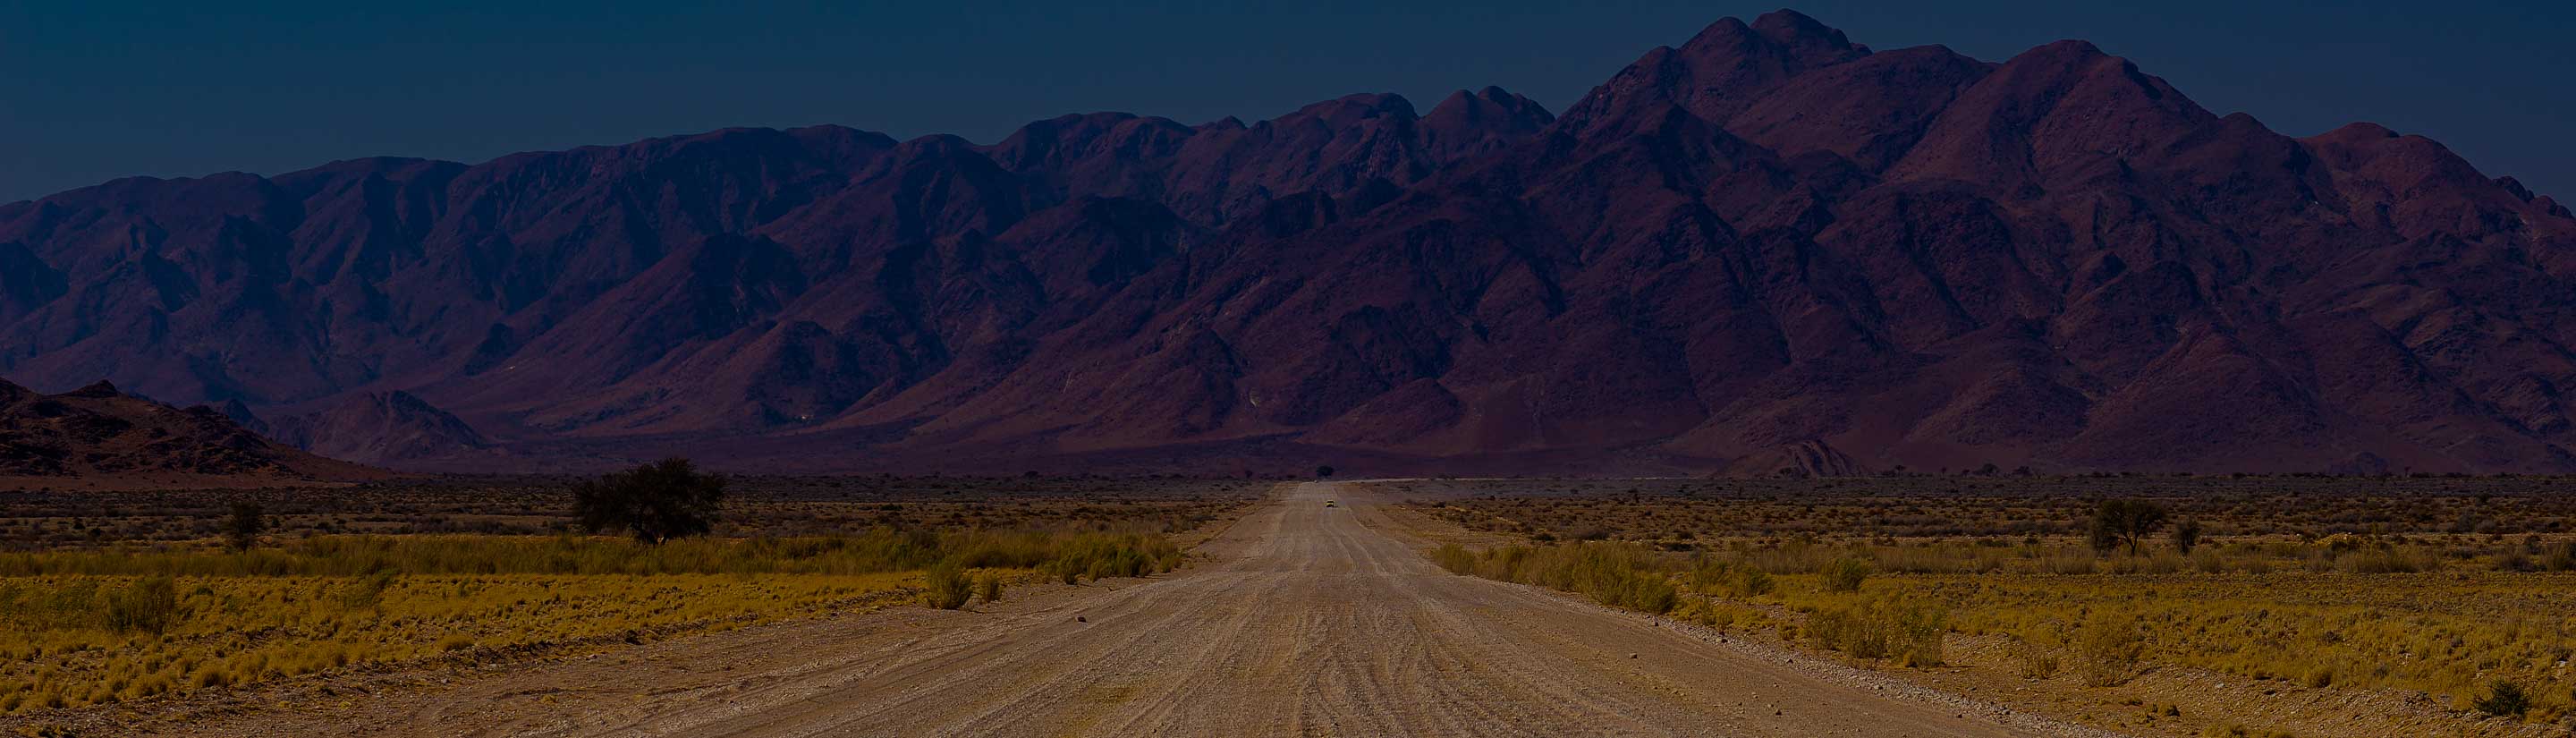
x=944 y=586
x=2388 y=561
x=2233 y=730
x=1845 y=574
x=2107 y=650
x=1730 y=579
x=2319 y=677
x=1455 y=558
x=148 y=605
x=366 y=593
x=1906 y=632
x=1725 y=617
x=1615 y=574
x=2037 y=663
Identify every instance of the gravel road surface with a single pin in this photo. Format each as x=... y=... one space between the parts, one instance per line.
x=1300 y=620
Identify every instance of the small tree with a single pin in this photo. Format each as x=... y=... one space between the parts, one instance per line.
x=1323 y=471
x=656 y=502
x=2186 y=536
x=243 y=526
x=2123 y=521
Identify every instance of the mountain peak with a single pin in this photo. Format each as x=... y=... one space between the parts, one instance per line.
x=1468 y=123
x=2357 y=132
x=1719 y=72
x=2063 y=51
x=101 y=389
x=1795 y=30
x=1727 y=32
x=1343 y=111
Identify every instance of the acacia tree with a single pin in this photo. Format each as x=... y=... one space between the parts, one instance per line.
x=655 y=502
x=243 y=524
x=2118 y=522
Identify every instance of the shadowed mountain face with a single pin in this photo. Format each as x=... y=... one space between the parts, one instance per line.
x=1767 y=247
x=376 y=427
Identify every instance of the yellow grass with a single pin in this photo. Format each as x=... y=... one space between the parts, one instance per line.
x=88 y=627
x=2449 y=621
x=241 y=630
x=2448 y=634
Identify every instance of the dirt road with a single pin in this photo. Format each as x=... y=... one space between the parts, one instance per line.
x=1305 y=620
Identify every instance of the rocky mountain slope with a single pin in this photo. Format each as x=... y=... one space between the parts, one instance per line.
x=98 y=432
x=375 y=427
x=1766 y=247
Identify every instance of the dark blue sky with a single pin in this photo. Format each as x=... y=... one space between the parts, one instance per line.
x=95 y=90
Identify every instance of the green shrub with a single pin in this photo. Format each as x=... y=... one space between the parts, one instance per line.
x=1750 y=582
x=2186 y=536
x=654 y=502
x=1845 y=574
x=2504 y=698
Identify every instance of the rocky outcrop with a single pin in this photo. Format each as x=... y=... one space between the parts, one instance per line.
x=98 y=431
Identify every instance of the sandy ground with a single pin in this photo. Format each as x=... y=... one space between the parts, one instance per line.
x=1303 y=620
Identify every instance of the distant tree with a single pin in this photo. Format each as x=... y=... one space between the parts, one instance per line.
x=2186 y=536
x=243 y=525
x=1323 y=471
x=2125 y=522
x=655 y=502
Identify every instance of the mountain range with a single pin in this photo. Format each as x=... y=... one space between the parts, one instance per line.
x=1767 y=248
